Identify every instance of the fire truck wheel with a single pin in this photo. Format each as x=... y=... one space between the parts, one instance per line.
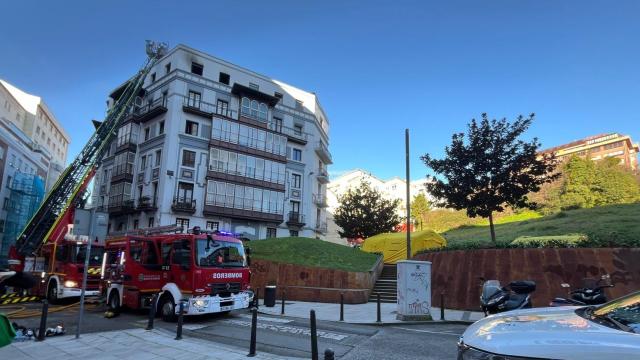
x=114 y=301
x=52 y=292
x=168 y=309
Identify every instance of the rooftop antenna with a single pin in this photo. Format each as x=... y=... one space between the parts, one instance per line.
x=156 y=49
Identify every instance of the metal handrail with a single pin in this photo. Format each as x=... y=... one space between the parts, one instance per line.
x=208 y=107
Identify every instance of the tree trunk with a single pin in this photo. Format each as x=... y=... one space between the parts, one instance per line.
x=493 y=232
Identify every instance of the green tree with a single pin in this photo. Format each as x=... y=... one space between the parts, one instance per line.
x=489 y=168
x=363 y=212
x=419 y=208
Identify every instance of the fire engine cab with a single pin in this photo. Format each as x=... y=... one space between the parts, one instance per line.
x=208 y=272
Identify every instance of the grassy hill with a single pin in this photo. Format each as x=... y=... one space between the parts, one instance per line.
x=312 y=252
x=614 y=225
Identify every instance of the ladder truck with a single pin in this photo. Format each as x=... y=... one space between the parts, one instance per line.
x=43 y=248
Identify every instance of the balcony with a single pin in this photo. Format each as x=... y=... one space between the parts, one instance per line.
x=149 y=111
x=320 y=200
x=293 y=135
x=205 y=109
x=123 y=172
x=145 y=203
x=323 y=153
x=185 y=206
x=122 y=208
x=295 y=219
x=323 y=176
x=321 y=227
x=130 y=144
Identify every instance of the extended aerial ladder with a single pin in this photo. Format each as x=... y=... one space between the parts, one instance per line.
x=68 y=190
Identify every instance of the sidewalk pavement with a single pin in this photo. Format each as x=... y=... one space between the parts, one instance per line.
x=137 y=344
x=361 y=313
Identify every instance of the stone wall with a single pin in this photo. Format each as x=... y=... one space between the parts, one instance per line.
x=313 y=283
x=457 y=272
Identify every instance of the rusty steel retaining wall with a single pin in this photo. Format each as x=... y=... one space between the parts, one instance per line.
x=315 y=284
x=457 y=272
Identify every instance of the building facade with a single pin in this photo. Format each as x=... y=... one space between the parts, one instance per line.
x=214 y=145
x=600 y=147
x=392 y=189
x=30 y=114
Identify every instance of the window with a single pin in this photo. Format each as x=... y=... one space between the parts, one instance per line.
x=224 y=78
x=277 y=124
x=194 y=99
x=8 y=181
x=182 y=252
x=185 y=192
x=254 y=86
x=182 y=222
x=143 y=162
x=153 y=77
x=278 y=95
x=254 y=109
x=296 y=180
x=167 y=68
x=271 y=233
x=293 y=233
x=188 y=158
x=147 y=133
x=197 y=68
x=297 y=129
x=151 y=222
x=299 y=104
x=295 y=207
x=161 y=130
x=191 y=128
x=296 y=155
x=222 y=107
x=158 y=157
x=5 y=205
x=212 y=225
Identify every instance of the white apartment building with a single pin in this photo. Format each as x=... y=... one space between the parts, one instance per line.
x=392 y=189
x=215 y=145
x=30 y=114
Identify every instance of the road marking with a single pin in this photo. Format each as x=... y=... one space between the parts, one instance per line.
x=427 y=331
x=195 y=326
x=290 y=329
x=265 y=318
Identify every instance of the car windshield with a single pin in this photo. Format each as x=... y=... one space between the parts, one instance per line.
x=78 y=252
x=217 y=253
x=622 y=313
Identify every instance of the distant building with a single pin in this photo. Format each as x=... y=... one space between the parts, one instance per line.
x=392 y=189
x=30 y=114
x=600 y=147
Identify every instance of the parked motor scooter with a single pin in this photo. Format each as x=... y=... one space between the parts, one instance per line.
x=592 y=293
x=496 y=298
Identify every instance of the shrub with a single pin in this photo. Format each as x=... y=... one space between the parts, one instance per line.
x=551 y=241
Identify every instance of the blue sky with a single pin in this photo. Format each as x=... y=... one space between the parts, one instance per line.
x=378 y=67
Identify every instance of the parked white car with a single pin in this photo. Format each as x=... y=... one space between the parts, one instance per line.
x=608 y=331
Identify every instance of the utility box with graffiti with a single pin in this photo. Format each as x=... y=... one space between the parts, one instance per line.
x=414 y=290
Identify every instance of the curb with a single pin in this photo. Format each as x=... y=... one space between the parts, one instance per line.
x=374 y=323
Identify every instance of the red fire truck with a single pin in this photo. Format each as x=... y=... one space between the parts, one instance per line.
x=208 y=272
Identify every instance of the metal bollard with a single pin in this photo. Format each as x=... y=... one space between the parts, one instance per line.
x=284 y=295
x=442 y=306
x=254 y=325
x=329 y=355
x=257 y=298
x=180 y=319
x=379 y=318
x=152 y=312
x=314 y=336
x=43 y=320
x=341 y=308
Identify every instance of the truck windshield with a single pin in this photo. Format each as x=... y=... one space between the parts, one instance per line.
x=623 y=313
x=78 y=252
x=216 y=253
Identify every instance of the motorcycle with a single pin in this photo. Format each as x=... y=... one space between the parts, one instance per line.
x=592 y=293
x=496 y=298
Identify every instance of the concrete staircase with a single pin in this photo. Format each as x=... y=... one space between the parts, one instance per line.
x=386 y=286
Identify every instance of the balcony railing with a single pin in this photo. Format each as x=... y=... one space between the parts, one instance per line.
x=184 y=205
x=320 y=200
x=122 y=207
x=323 y=176
x=321 y=227
x=149 y=110
x=145 y=203
x=206 y=109
x=291 y=133
x=295 y=219
x=323 y=152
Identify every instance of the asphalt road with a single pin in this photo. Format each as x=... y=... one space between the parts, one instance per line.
x=278 y=335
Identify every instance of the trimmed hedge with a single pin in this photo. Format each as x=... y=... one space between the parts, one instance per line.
x=551 y=241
